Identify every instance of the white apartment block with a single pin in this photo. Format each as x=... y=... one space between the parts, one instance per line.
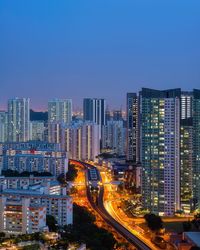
x=32 y=159
x=37 y=130
x=114 y=137
x=59 y=206
x=60 y=110
x=19 y=216
x=18 y=119
x=80 y=140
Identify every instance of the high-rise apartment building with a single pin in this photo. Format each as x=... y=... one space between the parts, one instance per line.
x=114 y=137
x=186 y=169
x=160 y=150
x=37 y=130
x=33 y=156
x=186 y=104
x=80 y=139
x=18 y=119
x=60 y=111
x=196 y=147
x=117 y=115
x=132 y=137
x=3 y=126
x=18 y=216
x=107 y=116
x=94 y=110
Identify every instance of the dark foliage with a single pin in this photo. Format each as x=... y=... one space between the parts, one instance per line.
x=15 y=173
x=154 y=222
x=51 y=223
x=187 y=226
x=85 y=231
x=71 y=173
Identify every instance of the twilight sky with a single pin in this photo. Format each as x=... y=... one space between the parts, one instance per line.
x=96 y=48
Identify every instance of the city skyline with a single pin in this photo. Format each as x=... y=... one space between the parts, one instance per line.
x=100 y=124
x=87 y=49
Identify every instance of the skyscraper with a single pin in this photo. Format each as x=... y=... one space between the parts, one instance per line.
x=3 y=126
x=186 y=148
x=196 y=147
x=94 y=110
x=160 y=150
x=37 y=129
x=18 y=119
x=132 y=137
x=114 y=137
x=60 y=110
x=186 y=104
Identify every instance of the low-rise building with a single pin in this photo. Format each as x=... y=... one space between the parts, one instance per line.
x=33 y=156
x=59 y=206
x=19 y=216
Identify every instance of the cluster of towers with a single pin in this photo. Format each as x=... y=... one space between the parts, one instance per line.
x=161 y=133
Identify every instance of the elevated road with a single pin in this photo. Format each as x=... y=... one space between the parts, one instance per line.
x=97 y=204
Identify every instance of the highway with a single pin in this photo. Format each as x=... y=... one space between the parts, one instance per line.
x=97 y=204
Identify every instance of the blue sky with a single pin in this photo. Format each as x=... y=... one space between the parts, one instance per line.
x=97 y=48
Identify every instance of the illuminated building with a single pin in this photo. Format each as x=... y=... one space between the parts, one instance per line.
x=196 y=147
x=37 y=129
x=60 y=110
x=94 y=110
x=19 y=216
x=18 y=119
x=114 y=137
x=83 y=141
x=160 y=150
x=22 y=182
x=33 y=156
x=186 y=148
x=80 y=139
x=132 y=137
x=56 y=133
x=117 y=115
x=132 y=179
x=59 y=206
x=186 y=104
x=3 y=126
x=190 y=148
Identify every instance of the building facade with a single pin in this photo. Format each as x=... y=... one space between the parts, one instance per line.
x=18 y=119
x=132 y=136
x=3 y=126
x=37 y=130
x=160 y=150
x=60 y=111
x=18 y=216
x=114 y=137
x=33 y=156
x=196 y=148
x=94 y=110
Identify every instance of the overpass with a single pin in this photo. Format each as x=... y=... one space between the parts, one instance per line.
x=98 y=205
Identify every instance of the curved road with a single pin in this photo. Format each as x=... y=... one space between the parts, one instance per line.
x=98 y=205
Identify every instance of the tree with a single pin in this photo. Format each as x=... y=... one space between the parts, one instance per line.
x=154 y=222
x=2 y=235
x=61 y=179
x=71 y=173
x=51 y=223
x=84 y=230
x=187 y=226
